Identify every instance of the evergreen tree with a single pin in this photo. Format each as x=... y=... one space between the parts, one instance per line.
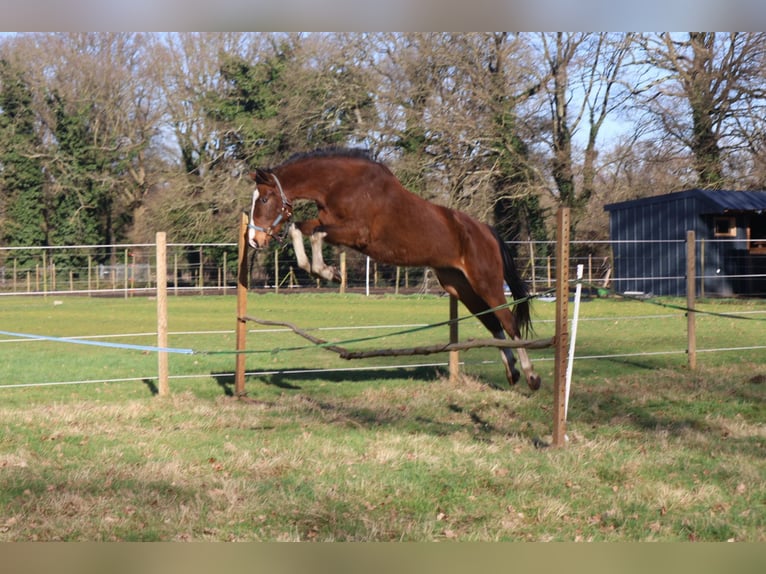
x=21 y=173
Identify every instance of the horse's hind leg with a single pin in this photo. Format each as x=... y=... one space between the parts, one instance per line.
x=455 y=283
x=477 y=297
x=508 y=321
x=533 y=379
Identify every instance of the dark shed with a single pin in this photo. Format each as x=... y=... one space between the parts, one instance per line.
x=648 y=241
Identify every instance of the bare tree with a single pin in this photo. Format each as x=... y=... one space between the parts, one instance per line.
x=448 y=104
x=583 y=78
x=707 y=95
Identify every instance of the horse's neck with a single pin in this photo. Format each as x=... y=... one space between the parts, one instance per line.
x=309 y=184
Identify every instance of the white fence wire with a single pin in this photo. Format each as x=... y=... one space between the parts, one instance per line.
x=129 y=270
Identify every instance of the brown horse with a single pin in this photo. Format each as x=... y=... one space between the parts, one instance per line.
x=363 y=206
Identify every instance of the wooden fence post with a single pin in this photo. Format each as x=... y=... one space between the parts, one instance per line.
x=276 y=271
x=562 y=327
x=691 y=298
x=201 y=271
x=45 y=275
x=454 y=356
x=125 y=279
x=532 y=264
x=162 y=315
x=343 y=273
x=242 y=281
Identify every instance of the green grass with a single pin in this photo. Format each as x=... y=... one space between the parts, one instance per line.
x=656 y=452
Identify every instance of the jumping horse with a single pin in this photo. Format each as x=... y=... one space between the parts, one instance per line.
x=362 y=205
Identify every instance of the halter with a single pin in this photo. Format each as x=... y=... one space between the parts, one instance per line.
x=285 y=213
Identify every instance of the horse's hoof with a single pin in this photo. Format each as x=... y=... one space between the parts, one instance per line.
x=514 y=378
x=534 y=381
x=328 y=273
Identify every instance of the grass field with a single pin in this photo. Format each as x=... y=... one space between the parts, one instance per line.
x=656 y=452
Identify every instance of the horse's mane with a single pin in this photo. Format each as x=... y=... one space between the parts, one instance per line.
x=328 y=152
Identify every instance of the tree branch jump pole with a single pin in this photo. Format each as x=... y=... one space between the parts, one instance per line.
x=562 y=328
x=242 y=276
x=162 y=315
x=454 y=356
x=691 y=298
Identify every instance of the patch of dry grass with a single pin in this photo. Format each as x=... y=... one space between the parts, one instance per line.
x=418 y=461
x=655 y=454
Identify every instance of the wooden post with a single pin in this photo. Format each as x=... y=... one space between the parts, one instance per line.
x=549 y=272
x=343 y=273
x=45 y=274
x=242 y=281
x=225 y=272
x=532 y=264
x=276 y=271
x=162 y=315
x=691 y=299
x=702 y=268
x=562 y=327
x=454 y=356
x=201 y=272
x=125 y=270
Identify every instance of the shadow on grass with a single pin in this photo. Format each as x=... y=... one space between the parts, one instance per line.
x=606 y=407
x=289 y=381
x=421 y=413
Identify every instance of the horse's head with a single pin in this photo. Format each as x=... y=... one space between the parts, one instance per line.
x=269 y=210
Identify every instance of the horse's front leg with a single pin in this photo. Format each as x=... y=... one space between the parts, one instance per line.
x=298 y=247
x=317 y=267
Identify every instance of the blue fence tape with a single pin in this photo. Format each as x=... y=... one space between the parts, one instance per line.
x=128 y=346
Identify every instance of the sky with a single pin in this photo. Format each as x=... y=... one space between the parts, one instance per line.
x=381 y=15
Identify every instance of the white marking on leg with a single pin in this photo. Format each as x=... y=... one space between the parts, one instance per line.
x=318 y=266
x=300 y=250
x=533 y=379
x=526 y=364
x=507 y=356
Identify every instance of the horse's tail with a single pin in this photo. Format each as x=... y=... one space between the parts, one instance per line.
x=518 y=287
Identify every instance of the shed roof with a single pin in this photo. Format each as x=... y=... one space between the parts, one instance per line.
x=711 y=201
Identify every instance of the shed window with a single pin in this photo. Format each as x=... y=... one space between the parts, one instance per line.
x=756 y=233
x=725 y=226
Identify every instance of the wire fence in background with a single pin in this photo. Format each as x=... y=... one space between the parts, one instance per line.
x=130 y=269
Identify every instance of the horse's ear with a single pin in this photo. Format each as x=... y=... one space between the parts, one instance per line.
x=259 y=176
